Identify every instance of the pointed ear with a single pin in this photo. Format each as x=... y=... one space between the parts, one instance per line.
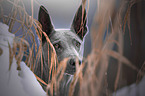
x=45 y=20
x=79 y=23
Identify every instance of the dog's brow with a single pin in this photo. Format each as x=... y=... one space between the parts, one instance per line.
x=77 y=39
x=74 y=36
x=56 y=41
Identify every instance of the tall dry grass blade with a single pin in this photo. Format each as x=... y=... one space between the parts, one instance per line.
x=32 y=10
x=61 y=68
x=14 y=16
x=20 y=55
x=77 y=77
x=41 y=63
x=40 y=80
x=10 y=56
x=119 y=63
x=37 y=60
x=141 y=73
x=32 y=55
x=126 y=20
x=121 y=58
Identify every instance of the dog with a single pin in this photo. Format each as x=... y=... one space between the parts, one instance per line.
x=68 y=43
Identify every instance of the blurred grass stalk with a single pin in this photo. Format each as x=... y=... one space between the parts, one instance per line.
x=107 y=16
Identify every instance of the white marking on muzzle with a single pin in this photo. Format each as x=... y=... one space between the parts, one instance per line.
x=77 y=54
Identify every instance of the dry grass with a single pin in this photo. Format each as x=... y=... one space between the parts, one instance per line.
x=91 y=81
x=21 y=46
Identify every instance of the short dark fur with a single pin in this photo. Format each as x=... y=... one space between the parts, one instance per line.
x=67 y=43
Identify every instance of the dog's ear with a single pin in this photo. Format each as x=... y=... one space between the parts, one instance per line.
x=79 y=22
x=45 y=20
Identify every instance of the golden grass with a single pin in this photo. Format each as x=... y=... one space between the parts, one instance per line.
x=92 y=79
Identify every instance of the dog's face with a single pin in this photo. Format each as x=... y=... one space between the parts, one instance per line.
x=68 y=43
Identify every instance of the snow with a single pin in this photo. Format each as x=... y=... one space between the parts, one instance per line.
x=132 y=90
x=29 y=82
x=14 y=82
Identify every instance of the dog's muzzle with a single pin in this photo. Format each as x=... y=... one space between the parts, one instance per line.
x=71 y=65
x=72 y=62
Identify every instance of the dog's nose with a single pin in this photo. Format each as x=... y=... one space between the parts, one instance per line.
x=73 y=62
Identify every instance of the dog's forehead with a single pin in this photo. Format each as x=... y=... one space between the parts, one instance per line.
x=64 y=34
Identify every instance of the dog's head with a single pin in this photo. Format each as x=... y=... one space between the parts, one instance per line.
x=68 y=43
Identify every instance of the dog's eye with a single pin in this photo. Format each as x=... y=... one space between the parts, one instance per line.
x=57 y=47
x=77 y=43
